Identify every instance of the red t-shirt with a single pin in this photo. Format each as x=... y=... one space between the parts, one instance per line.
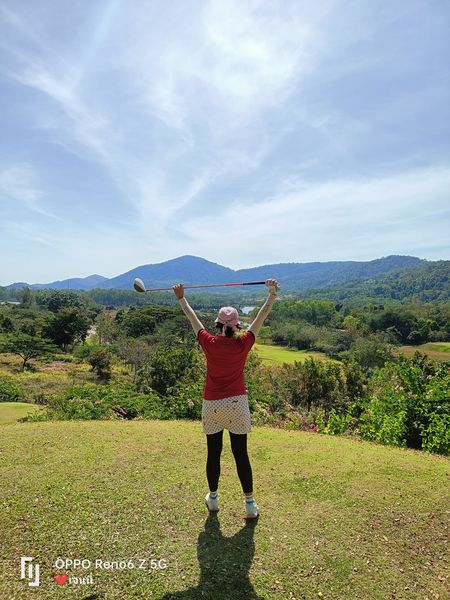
x=225 y=359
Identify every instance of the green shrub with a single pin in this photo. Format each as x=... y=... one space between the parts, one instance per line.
x=10 y=390
x=257 y=378
x=138 y=405
x=41 y=398
x=434 y=413
x=321 y=421
x=168 y=365
x=436 y=435
x=84 y=403
x=185 y=400
x=36 y=416
x=332 y=342
x=100 y=360
x=384 y=420
x=105 y=402
x=409 y=405
x=81 y=351
x=337 y=424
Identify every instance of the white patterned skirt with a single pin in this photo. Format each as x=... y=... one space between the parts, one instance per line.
x=230 y=413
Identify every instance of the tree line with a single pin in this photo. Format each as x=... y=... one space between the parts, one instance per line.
x=369 y=390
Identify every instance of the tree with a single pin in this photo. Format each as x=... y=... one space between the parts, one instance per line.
x=55 y=300
x=264 y=333
x=168 y=365
x=402 y=320
x=66 y=327
x=106 y=328
x=100 y=360
x=6 y=324
x=28 y=326
x=414 y=337
x=26 y=297
x=27 y=346
x=136 y=353
x=137 y=323
x=352 y=323
x=371 y=351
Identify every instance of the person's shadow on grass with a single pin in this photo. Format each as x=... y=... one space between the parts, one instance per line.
x=224 y=564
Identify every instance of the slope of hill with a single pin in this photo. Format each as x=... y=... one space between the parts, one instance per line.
x=189 y=269
x=76 y=283
x=339 y=516
x=429 y=281
x=85 y=283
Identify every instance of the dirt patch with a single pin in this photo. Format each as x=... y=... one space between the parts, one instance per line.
x=55 y=366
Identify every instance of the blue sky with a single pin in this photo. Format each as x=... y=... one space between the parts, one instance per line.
x=247 y=133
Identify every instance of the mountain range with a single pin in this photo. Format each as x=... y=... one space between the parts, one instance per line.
x=195 y=270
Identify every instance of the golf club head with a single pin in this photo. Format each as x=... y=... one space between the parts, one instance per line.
x=139 y=285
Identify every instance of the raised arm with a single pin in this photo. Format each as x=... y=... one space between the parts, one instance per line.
x=265 y=309
x=186 y=308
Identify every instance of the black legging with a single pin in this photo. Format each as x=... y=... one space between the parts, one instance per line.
x=239 y=448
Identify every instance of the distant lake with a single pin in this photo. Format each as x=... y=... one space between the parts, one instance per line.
x=247 y=309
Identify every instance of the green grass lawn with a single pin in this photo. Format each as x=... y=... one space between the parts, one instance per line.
x=272 y=354
x=437 y=346
x=435 y=350
x=340 y=518
x=10 y=412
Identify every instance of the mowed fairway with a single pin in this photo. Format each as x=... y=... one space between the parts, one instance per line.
x=435 y=350
x=272 y=354
x=344 y=518
x=276 y=355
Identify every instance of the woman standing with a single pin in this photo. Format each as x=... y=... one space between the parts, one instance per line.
x=225 y=400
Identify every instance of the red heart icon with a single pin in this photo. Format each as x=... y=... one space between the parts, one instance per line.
x=61 y=579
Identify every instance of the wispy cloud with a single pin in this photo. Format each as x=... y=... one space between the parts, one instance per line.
x=223 y=75
x=243 y=58
x=19 y=184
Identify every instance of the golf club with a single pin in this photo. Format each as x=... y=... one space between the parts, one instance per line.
x=140 y=287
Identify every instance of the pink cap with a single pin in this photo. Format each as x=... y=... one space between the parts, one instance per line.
x=229 y=317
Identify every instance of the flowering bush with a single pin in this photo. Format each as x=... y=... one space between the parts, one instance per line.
x=297 y=420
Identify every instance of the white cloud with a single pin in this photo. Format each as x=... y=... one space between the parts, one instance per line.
x=335 y=220
x=234 y=61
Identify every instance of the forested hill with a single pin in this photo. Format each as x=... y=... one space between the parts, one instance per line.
x=429 y=281
x=302 y=276
x=195 y=270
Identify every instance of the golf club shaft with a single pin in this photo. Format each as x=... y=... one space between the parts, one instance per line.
x=209 y=285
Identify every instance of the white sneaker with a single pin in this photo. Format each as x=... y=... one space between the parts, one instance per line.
x=252 y=509
x=212 y=503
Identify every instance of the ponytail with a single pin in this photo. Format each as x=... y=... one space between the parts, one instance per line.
x=228 y=331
